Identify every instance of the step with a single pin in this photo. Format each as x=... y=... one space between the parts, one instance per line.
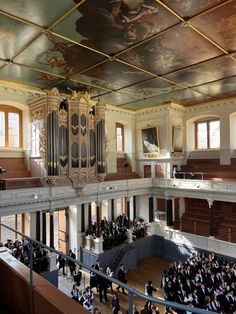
x=21 y=183
x=16 y=174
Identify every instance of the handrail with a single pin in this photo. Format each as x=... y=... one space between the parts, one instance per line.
x=117 y=253
x=131 y=290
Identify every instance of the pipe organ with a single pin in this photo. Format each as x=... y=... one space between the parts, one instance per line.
x=72 y=139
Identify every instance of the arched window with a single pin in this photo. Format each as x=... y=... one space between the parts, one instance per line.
x=10 y=127
x=119 y=137
x=207 y=134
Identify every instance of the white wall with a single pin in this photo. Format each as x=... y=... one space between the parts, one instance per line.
x=17 y=97
x=225 y=110
x=127 y=118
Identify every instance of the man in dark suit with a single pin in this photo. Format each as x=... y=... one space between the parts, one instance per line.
x=121 y=277
x=72 y=264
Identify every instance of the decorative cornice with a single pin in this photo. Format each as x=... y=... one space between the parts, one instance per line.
x=161 y=108
x=212 y=105
x=28 y=93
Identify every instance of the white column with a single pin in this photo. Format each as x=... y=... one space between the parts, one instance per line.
x=155 y=208
x=86 y=222
x=173 y=209
x=131 y=208
x=88 y=242
x=115 y=208
x=41 y=225
x=225 y=140
x=75 y=234
x=181 y=206
x=33 y=225
x=98 y=245
x=108 y=210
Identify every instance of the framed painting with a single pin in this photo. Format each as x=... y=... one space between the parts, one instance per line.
x=150 y=141
x=177 y=141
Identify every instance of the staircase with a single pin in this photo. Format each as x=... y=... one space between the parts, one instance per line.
x=124 y=171
x=119 y=255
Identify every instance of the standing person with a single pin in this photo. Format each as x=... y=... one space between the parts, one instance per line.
x=174 y=172
x=71 y=264
x=98 y=265
x=115 y=303
x=62 y=262
x=121 y=277
x=75 y=293
x=93 y=279
x=149 y=289
x=109 y=273
x=102 y=286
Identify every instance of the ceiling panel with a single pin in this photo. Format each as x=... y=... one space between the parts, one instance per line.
x=151 y=87
x=41 y=12
x=58 y=56
x=220 y=25
x=23 y=75
x=112 y=75
x=142 y=39
x=189 y=8
x=186 y=96
x=205 y=72
x=115 y=25
x=220 y=89
x=14 y=36
x=117 y=98
x=68 y=85
x=172 y=50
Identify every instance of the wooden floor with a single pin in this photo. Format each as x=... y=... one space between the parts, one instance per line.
x=150 y=268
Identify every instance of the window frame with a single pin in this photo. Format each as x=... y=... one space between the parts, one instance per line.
x=121 y=126
x=207 y=121
x=9 y=109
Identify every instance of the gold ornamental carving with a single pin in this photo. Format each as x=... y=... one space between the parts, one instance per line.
x=37 y=115
x=62 y=118
x=53 y=92
x=42 y=145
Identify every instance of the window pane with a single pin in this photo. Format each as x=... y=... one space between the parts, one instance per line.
x=2 y=128
x=202 y=135
x=6 y=233
x=119 y=139
x=13 y=130
x=214 y=128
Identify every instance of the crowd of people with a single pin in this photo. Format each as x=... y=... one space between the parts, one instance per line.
x=114 y=232
x=204 y=281
x=20 y=250
x=102 y=287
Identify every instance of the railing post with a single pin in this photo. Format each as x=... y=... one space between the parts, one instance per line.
x=31 y=262
x=130 y=302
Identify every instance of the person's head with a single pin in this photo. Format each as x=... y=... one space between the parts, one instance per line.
x=121 y=266
x=96 y=311
x=149 y=282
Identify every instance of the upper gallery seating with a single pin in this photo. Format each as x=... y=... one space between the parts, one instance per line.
x=211 y=169
x=124 y=171
x=16 y=176
x=196 y=219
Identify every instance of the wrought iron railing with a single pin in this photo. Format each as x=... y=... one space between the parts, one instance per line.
x=131 y=291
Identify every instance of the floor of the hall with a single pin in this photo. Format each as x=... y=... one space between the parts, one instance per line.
x=150 y=268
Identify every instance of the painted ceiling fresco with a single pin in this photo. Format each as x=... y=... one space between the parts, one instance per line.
x=131 y=53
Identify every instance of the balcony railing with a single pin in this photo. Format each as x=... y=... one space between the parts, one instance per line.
x=131 y=291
